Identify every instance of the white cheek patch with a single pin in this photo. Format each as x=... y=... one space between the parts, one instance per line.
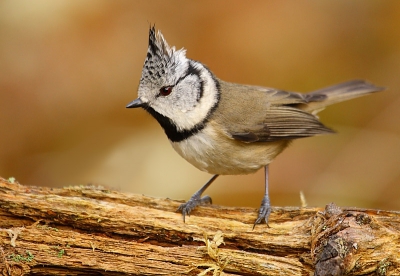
x=183 y=105
x=200 y=108
x=186 y=93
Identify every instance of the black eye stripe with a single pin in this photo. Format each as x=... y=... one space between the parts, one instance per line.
x=193 y=71
x=182 y=78
x=190 y=71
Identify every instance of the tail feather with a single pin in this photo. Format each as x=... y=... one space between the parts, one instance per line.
x=319 y=99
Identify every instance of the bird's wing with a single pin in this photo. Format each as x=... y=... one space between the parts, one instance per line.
x=258 y=114
x=280 y=123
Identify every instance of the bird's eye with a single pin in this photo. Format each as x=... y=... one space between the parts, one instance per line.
x=166 y=90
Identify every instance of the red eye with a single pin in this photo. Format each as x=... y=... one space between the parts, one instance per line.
x=166 y=90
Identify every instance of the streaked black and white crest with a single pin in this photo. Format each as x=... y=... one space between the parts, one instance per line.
x=162 y=60
x=179 y=92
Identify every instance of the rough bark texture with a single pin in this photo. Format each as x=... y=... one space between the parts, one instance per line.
x=90 y=230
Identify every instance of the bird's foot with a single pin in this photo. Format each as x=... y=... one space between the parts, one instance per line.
x=194 y=201
x=264 y=212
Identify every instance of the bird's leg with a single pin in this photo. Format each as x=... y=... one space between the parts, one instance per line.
x=265 y=208
x=196 y=199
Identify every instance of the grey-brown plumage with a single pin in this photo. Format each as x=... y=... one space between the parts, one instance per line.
x=227 y=128
x=257 y=114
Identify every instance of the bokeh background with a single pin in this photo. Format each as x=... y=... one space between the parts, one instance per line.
x=68 y=69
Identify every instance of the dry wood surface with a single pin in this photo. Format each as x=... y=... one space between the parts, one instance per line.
x=88 y=230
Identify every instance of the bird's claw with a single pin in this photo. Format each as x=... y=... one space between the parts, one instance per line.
x=264 y=212
x=192 y=203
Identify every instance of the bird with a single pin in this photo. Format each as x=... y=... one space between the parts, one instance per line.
x=226 y=128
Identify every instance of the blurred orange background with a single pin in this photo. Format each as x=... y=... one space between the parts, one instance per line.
x=68 y=69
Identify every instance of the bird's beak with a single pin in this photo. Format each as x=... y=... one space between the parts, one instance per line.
x=135 y=103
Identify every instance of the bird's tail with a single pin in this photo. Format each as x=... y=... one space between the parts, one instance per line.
x=319 y=99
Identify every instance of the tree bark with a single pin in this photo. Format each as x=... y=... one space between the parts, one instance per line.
x=87 y=230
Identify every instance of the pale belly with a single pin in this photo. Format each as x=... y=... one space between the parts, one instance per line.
x=222 y=155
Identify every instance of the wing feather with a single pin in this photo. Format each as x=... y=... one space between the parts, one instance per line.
x=282 y=123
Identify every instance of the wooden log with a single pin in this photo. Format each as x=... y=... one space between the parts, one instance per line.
x=88 y=230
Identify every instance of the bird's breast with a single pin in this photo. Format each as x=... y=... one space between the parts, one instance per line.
x=213 y=151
